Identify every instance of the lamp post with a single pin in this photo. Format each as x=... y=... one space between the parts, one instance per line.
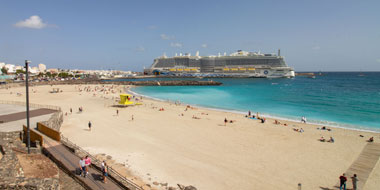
x=27 y=104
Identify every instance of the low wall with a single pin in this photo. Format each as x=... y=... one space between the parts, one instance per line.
x=56 y=135
x=55 y=121
x=33 y=136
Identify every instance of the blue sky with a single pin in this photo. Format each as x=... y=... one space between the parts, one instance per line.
x=327 y=35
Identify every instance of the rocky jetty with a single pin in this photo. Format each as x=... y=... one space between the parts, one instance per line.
x=144 y=83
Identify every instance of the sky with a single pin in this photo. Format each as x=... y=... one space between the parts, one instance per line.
x=320 y=35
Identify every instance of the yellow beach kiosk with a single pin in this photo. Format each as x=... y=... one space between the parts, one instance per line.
x=125 y=99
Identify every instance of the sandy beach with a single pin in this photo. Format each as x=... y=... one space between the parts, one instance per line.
x=195 y=147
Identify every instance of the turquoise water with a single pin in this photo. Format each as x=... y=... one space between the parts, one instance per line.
x=335 y=99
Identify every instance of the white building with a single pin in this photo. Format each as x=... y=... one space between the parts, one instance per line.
x=42 y=67
x=34 y=70
x=11 y=68
x=18 y=67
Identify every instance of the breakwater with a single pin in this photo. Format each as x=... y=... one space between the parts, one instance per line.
x=135 y=83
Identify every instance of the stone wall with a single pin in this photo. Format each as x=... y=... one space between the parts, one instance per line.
x=11 y=172
x=55 y=121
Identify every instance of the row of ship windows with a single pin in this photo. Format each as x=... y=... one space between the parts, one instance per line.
x=224 y=69
x=222 y=63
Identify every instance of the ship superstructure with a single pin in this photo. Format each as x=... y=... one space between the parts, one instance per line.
x=237 y=64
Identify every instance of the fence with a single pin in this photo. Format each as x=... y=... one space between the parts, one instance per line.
x=30 y=104
x=112 y=172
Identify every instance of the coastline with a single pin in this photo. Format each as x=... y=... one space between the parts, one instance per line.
x=171 y=148
x=354 y=127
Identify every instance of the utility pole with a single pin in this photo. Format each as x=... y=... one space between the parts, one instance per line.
x=27 y=104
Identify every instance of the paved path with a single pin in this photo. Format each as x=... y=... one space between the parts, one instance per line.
x=71 y=162
x=363 y=165
x=22 y=115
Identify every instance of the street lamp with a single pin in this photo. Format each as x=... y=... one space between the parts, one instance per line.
x=27 y=104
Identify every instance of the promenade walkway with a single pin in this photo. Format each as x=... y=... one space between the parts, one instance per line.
x=363 y=165
x=13 y=116
x=70 y=161
x=22 y=115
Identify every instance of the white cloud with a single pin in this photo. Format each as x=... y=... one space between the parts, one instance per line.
x=34 y=22
x=179 y=45
x=166 y=37
x=140 y=49
x=316 y=47
x=204 y=45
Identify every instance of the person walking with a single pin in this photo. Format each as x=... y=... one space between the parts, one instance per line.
x=82 y=166
x=102 y=168
x=87 y=162
x=225 y=121
x=105 y=173
x=89 y=125
x=343 y=180
x=117 y=112
x=354 y=182
x=71 y=110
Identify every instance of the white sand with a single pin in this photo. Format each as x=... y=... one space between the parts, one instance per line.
x=203 y=152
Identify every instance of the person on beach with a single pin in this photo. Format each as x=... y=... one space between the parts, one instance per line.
x=105 y=172
x=249 y=113
x=370 y=139
x=89 y=125
x=117 y=112
x=331 y=140
x=225 y=121
x=102 y=168
x=343 y=180
x=354 y=182
x=71 y=110
x=87 y=162
x=303 y=119
x=132 y=118
x=82 y=166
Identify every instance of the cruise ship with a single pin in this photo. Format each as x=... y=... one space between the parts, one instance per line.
x=237 y=64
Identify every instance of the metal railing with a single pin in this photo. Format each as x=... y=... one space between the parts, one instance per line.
x=130 y=184
x=30 y=104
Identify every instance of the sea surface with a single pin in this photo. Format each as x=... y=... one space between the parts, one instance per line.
x=340 y=99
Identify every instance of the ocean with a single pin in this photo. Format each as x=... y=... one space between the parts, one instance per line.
x=339 y=99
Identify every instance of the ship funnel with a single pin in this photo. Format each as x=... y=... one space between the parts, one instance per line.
x=279 y=52
x=219 y=54
x=225 y=53
x=197 y=54
x=176 y=54
x=180 y=54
